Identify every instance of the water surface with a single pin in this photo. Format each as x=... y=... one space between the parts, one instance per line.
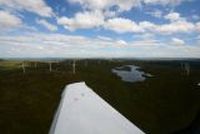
x=131 y=73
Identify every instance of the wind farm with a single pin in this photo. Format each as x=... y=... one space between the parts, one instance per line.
x=99 y=67
x=31 y=98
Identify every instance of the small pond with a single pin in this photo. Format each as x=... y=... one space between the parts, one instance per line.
x=131 y=73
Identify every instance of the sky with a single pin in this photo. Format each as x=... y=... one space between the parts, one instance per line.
x=100 y=28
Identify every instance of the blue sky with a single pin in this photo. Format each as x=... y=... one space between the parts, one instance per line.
x=99 y=28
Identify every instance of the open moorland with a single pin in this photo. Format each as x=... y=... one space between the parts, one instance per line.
x=168 y=102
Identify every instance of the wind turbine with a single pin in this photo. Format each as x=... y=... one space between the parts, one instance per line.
x=187 y=68
x=35 y=64
x=86 y=63
x=23 y=67
x=50 y=66
x=74 y=66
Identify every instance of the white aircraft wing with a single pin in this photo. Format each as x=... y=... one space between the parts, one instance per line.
x=82 y=111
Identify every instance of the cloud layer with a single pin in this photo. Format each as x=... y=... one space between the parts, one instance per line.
x=98 y=28
x=58 y=45
x=87 y=20
x=122 y=5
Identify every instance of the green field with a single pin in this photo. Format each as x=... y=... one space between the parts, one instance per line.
x=169 y=102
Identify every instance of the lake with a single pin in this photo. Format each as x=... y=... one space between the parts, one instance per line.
x=131 y=73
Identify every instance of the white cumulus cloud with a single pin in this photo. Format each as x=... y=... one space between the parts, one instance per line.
x=83 y=20
x=38 y=7
x=198 y=26
x=8 y=20
x=46 y=24
x=177 y=42
x=122 y=25
x=173 y=16
x=169 y=28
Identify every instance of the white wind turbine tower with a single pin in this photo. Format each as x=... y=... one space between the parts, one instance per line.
x=74 y=66
x=35 y=64
x=23 y=67
x=86 y=63
x=50 y=66
x=187 y=65
x=187 y=68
